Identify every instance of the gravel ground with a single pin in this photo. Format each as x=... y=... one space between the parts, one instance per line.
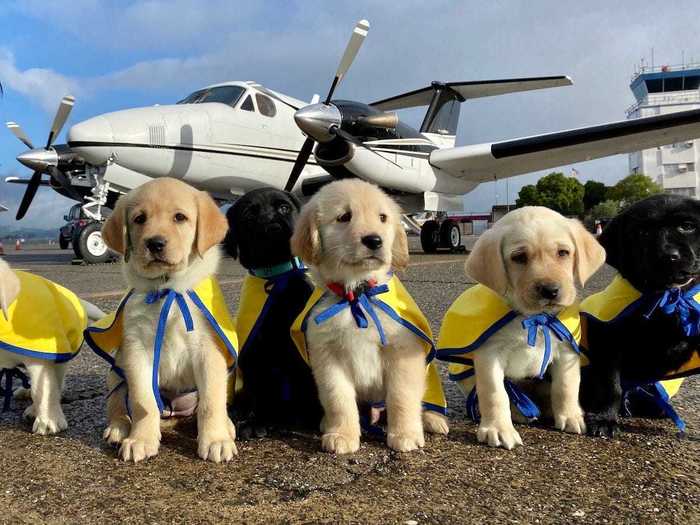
x=648 y=475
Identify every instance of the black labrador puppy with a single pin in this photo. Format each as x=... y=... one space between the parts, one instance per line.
x=278 y=388
x=655 y=246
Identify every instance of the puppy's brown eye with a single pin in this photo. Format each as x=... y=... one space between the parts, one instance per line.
x=686 y=227
x=284 y=209
x=519 y=258
x=382 y=217
x=140 y=218
x=563 y=253
x=180 y=217
x=345 y=217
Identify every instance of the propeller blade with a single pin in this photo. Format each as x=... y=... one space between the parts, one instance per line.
x=19 y=133
x=65 y=183
x=358 y=36
x=33 y=185
x=299 y=164
x=59 y=120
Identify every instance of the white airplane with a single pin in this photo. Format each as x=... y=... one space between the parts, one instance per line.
x=232 y=137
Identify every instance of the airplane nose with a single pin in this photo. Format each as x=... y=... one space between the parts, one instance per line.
x=92 y=139
x=317 y=119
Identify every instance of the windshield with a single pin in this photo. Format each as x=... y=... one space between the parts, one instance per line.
x=224 y=94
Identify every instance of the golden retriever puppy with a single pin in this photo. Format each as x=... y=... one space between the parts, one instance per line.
x=172 y=334
x=41 y=329
x=362 y=333
x=521 y=320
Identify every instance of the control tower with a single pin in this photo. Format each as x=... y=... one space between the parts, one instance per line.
x=660 y=90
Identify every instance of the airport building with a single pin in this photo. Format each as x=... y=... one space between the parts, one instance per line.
x=660 y=90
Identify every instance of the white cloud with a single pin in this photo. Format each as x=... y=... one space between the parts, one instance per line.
x=44 y=86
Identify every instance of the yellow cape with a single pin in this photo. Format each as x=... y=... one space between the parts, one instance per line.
x=45 y=321
x=474 y=317
x=105 y=336
x=619 y=299
x=399 y=306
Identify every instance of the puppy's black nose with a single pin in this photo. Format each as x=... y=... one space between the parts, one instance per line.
x=672 y=254
x=373 y=242
x=156 y=244
x=548 y=290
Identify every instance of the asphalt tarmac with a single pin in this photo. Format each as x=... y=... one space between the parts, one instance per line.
x=647 y=475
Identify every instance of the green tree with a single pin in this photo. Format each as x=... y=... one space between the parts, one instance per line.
x=555 y=191
x=605 y=209
x=528 y=196
x=593 y=193
x=633 y=188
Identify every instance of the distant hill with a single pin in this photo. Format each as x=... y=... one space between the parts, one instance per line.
x=28 y=233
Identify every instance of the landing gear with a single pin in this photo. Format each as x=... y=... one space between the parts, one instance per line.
x=450 y=236
x=89 y=246
x=443 y=234
x=63 y=242
x=430 y=236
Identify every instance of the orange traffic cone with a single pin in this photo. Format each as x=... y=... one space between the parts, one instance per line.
x=18 y=246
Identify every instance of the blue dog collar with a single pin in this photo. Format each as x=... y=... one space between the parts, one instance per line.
x=268 y=272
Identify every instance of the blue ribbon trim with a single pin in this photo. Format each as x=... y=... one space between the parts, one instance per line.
x=361 y=305
x=9 y=374
x=682 y=304
x=657 y=393
x=549 y=324
x=522 y=402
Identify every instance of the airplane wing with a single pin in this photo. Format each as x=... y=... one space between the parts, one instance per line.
x=472 y=89
x=482 y=162
x=3 y=208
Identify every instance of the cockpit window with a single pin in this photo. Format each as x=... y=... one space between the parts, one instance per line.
x=225 y=94
x=265 y=105
x=248 y=104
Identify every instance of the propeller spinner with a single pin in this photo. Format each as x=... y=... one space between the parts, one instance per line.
x=44 y=160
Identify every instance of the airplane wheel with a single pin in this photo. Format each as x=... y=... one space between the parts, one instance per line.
x=63 y=242
x=92 y=248
x=430 y=236
x=450 y=236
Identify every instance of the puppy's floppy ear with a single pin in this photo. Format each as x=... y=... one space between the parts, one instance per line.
x=589 y=256
x=611 y=240
x=231 y=240
x=485 y=262
x=9 y=287
x=114 y=230
x=211 y=223
x=399 y=250
x=306 y=240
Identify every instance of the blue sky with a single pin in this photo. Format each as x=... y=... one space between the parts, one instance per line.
x=112 y=55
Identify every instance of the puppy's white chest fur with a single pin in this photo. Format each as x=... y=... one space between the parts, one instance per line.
x=179 y=347
x=357 y=351
x=518 y=359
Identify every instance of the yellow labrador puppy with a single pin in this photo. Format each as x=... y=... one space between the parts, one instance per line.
x=168 y=233
x=521 y=320
x=364 y=337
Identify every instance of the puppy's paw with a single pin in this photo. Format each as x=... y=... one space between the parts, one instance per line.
x=338 y=443
x=217 y=450
x=602 y=425
x=405 y=441
x=572 y=423
x=435 y=423
x=137 y=449
x=499 y=435
x=116 y=432
x=46 y=424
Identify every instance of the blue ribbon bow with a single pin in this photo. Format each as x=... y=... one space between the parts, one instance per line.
x=548 y=323
x=10 y=374
x=169 y=296
x=674 y=302
x=361 y=304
